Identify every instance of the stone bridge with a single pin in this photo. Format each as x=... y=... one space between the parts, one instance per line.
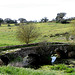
x=27 y=50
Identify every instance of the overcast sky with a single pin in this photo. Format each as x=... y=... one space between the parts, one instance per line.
x=36 y=9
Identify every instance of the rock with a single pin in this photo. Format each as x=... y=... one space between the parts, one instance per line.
x=16 y=64
x=61 y=53
x=25 y=61
x=71 y=54
x=1 y=62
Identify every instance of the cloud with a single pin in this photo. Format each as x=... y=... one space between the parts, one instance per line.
x=35 y=9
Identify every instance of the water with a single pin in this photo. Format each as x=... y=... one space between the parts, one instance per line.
x=53 y=59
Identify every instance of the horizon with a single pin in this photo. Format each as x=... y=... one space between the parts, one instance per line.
x=36 y=9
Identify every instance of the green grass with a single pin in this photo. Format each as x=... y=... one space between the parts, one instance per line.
x=8 y=34
x=60 y=69
x=8 y=70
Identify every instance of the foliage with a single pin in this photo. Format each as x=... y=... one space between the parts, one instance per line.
x=7 y=20
x=44 y=19
x=69 y=70
x=59 y=67
x=59 y=18
x=8 y=70
x=27 y=33
x=53 y=67
x=44 y=70
x=22 y=20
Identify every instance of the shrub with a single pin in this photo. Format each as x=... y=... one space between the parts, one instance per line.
x=27 y=33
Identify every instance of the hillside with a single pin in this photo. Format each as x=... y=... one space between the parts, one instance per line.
x=51 y=32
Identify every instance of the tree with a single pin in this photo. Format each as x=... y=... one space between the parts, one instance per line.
x=1 y=20
x=8 y=21
x=60 y=17
x=15 y=22
x=44 y=19
x=22 y=20
x=27 y=33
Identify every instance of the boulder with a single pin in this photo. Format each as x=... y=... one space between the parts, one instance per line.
x=71 y=54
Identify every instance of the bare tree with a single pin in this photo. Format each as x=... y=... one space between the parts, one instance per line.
x=27 y=33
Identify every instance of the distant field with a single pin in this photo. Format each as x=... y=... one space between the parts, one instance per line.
x=8 y=34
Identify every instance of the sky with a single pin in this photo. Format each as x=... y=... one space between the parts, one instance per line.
x=36 y=9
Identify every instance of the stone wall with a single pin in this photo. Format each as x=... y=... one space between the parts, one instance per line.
x=24 y=45
x=27 y=50
x=22 y=53
x=17 y=46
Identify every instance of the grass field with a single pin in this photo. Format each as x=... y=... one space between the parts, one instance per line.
x=8 y=34
x=8 y=37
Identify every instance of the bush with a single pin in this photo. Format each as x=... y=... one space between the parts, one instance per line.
x=27 y=33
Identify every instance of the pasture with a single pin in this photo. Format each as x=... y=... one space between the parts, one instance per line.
x=8 y=33
x=50 y=32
